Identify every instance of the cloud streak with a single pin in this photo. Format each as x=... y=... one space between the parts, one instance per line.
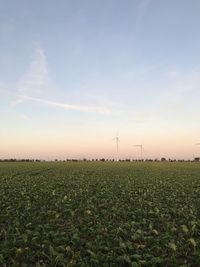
x=96 y=109
x=36 y=84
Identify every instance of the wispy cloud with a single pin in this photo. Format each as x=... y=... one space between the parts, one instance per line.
x=183 y=86
x=96 y=109
x=35 y=84
x=36 y=78
x=143 y=6
x=138 y=72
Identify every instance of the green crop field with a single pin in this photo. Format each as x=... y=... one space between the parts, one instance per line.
x=99 y=214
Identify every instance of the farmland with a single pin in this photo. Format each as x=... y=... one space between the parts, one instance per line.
x=99 y=214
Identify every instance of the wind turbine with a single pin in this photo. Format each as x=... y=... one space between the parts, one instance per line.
x=141 y=150
x=197 y=144
x=117 y=145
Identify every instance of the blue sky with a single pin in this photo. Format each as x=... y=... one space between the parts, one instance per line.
x=73 y=73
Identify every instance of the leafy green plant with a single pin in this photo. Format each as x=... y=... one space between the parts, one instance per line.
x=99 y=214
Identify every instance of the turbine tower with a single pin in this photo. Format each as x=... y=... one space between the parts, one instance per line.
x=117 y=146
x=197 y=144
x=141 y=150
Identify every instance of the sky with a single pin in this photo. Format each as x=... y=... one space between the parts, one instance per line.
x=73 y=73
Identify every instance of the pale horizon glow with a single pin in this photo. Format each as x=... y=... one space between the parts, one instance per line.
x=74 y=73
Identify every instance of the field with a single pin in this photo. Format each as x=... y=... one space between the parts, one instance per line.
x=99 y=214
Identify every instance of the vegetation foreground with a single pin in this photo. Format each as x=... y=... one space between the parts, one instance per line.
x=99 y=214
